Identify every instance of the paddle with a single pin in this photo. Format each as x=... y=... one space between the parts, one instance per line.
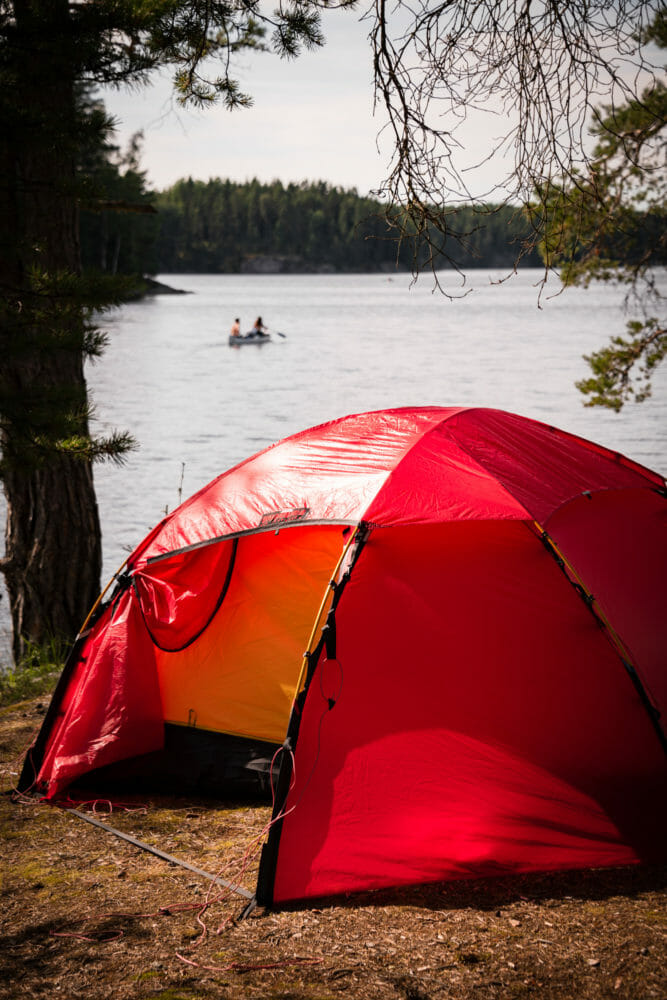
x=278 y=333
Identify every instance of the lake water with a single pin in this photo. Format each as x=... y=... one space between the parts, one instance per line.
x=352 y=343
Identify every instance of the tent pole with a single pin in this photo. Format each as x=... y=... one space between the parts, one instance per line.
x=101 y=597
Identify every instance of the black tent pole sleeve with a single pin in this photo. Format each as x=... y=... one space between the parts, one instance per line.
x=269 y=856
x=615 y=640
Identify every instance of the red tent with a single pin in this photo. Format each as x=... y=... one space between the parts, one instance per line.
x=453 y=621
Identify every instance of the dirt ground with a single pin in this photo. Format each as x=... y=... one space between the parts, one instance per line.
x=85 y=914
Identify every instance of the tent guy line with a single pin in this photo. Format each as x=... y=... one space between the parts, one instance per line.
x=238 y=889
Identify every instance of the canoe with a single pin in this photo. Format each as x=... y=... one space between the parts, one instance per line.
x=249 y=338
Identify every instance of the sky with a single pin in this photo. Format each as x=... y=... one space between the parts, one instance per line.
x=313 y=119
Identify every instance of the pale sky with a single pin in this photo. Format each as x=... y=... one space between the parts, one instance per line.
x=312 y=119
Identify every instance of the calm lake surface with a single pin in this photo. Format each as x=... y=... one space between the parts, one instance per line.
x=353 y=343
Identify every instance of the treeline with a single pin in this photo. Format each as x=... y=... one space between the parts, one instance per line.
x=221 y=226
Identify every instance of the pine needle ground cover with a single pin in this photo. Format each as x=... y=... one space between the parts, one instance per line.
x=85 y=914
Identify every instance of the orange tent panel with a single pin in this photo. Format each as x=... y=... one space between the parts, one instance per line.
x=240 y=675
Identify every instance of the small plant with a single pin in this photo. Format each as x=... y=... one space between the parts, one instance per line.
x=35 y=674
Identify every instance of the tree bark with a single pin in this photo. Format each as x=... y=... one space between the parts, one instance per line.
x=53 y=540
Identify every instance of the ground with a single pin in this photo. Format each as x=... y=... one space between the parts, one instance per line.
x=87 y=915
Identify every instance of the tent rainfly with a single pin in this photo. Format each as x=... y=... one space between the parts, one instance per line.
x=448 y=625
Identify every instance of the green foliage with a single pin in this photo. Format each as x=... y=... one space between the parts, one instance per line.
x=214 y=226
x=622 y=370
x=609 y=225
x=118 y=225
x=124 y=40
x=49 y=327
x=117 y=220
x=36 y=673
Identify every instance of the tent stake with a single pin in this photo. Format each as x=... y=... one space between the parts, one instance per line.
x=161 y=854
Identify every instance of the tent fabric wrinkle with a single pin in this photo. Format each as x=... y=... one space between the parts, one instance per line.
x=331 y=472
x=451 y=619
x=540 y=466
x=437 y=481
x=178 y=600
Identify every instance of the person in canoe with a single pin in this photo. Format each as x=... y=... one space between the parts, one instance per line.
x=236 y=328
x=259 y=330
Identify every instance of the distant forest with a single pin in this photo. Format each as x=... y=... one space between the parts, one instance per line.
x=218 y=226
x=223 y=226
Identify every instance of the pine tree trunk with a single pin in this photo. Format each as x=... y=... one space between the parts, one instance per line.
x=53 y=545
x=52 y=554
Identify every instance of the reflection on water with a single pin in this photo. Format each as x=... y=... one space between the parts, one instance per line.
x=352 y=343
